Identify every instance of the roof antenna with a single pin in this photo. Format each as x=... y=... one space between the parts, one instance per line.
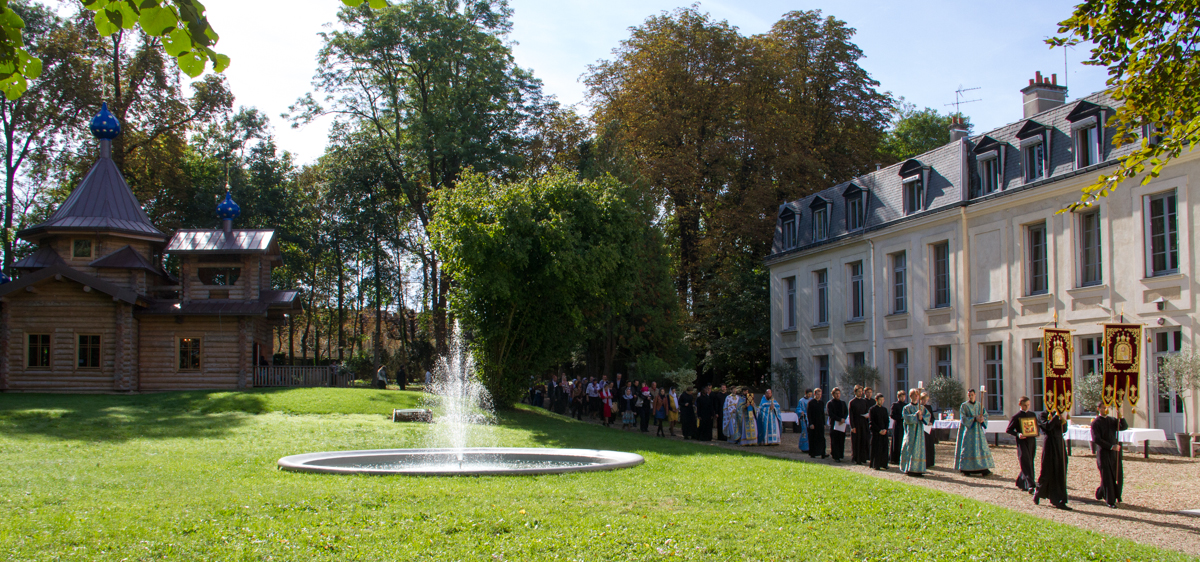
x=958 y=99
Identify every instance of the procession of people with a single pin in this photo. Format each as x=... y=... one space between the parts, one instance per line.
x=881 y=436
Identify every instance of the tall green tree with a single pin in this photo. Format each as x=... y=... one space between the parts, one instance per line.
x=434 y=84
x=538 y=265
x=914 y=131
x=1150 y=48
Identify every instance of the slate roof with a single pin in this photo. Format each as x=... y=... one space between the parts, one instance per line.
x=103 y=202
x=215 y=241
x=45 y=256
x=953 y=175
x=127 y=258
x=66 y=271
x=206 y=308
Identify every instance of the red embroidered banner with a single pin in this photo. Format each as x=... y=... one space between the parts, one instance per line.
x=1057 y=367
x=1122 y=364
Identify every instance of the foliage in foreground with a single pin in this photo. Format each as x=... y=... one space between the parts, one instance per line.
x=191 y=476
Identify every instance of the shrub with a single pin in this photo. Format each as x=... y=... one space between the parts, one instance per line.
x=946 y=392
x=681 y=378
x=862 y=375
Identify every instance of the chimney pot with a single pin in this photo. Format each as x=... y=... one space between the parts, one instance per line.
x=1031 y=81
x=1054 y=79
x=1039 y=77
x=1042 y=94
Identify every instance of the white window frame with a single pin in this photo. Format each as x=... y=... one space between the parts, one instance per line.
x=1037 y=375
x=790 y=316
x=857 y=304
x=1086 y=136
x=900 y=368
x=1033 y=155
x=991 y=173
x=993 y=376
x=820 y=223
x=914 y=185
x=1085 y=249
x=1171 y=236
x=937 y=276
x=899 y=282
x=822 y=279
x=856 y=211
x=943 y=367
x=1032 y=259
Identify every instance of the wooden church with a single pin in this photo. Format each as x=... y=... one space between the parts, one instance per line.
x=92 y=309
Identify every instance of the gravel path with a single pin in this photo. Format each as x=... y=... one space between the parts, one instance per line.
x=1156 y=490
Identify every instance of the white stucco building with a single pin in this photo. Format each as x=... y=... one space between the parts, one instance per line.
x=951 y=262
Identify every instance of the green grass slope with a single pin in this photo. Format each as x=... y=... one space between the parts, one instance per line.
x=192 y=476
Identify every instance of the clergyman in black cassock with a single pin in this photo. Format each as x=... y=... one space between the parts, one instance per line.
x=704 y=412
x=860 y=424
x=1108 y=455
x=816 y=426
x=897 y=425
x=687 y=413
x=879 y=419
x=838 y=412
x=1026 y=446
x=1052 y=479
x=718 y=404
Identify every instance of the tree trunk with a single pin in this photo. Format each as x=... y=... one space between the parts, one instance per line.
x=291 y=339
x=341 y=302
x=378 y=306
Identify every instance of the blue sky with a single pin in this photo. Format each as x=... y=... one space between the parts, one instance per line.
x=922 y=50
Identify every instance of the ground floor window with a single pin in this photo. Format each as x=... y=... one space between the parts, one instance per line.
x=88 y=352
x=1037 y=376
x=189 y=354
x=39 y=351
x=900 y=367
x=823 y=375
x=993 y=372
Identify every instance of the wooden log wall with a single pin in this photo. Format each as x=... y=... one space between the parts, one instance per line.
x=64 y=311
x=220 y=353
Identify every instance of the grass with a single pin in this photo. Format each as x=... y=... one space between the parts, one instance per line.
x=192 y=476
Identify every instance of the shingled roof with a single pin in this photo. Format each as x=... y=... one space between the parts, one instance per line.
x=103 y=202
x=45 y=256
x=189 y=241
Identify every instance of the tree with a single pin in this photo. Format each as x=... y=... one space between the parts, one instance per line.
x=1180 y=373
x=861 y=375
x=914 y=131
x=180 y=25
x=32 y=123
x=947 y=392
x=533 y=261
x=1150 y=49
x=434 y=83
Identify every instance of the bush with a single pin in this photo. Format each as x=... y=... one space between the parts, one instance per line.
x=1180 y=373
x=681 y=378
x=946 y=392
x=651 y=368
x=1088 y=390
x=862 y=375
x=788 y=377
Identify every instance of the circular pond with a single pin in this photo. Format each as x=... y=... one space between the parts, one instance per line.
x=478 y=461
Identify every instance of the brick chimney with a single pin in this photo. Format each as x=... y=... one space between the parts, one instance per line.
x=958 y=128
x=1042 y=94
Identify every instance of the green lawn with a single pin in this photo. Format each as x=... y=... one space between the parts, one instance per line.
x=192 y=475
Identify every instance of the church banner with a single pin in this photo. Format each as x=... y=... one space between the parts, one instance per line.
x=1122 y=364
x=1059 y=372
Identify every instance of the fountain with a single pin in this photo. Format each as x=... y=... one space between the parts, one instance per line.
x=462 y=418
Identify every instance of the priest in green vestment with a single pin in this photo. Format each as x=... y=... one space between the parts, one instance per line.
x=971 y=453
x=912 y=449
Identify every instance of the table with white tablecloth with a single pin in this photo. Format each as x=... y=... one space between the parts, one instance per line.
x=993 y=426
x=1133 y=436
x=785 y=417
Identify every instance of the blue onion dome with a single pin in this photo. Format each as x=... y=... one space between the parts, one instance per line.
x=105 y=125
x=227 y=209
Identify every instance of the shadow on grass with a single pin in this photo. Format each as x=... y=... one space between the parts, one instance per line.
x=116 y=418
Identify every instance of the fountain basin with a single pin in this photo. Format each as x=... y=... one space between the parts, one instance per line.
x=475 y=461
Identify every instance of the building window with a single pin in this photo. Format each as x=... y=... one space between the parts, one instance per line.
x=899 y=283
x=1035 y=162
x=1167 y=343
x=858 y=358
x=189 y=354
x=219 y=275
x=1163 y=233
x=914 y=196
x=789 y=229
x=993 y=376
x=823 y=374
x=900 y=368
x=820 y=223
x=942 y=363
x=791 y=302
x=1091 y=356
x=81 y=248
x=1037 y=376
x=823 y=296
x=1038 y=275
x=1087 y=146
x=941 y=275
x=1089 y=249
x=856 y=290
x=88 y=352
x=855 y=215
x=989 y=175
x=38 y=350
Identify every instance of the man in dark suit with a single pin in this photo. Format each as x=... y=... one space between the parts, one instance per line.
x=704 y=413
x=816 y=426
x=718 y=406
x=898 y=424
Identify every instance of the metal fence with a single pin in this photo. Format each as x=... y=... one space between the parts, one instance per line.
x=301 y=376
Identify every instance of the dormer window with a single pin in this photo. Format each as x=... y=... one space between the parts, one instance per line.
x=989 y=175
x=913 y=175
x=856 y=206
x=821 y=223
x=989 y=159
x=1034 y=148
x=788 y=220
x=81 y=248
x=1087 y=131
